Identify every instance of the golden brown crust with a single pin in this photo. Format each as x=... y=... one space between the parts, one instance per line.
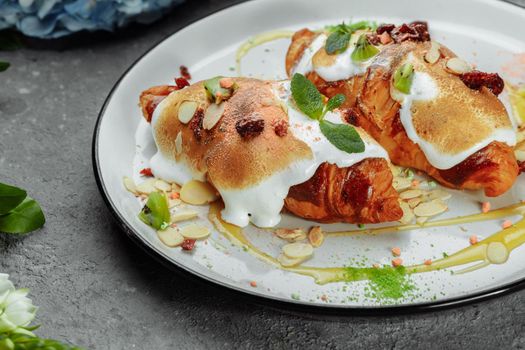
x=458 y=119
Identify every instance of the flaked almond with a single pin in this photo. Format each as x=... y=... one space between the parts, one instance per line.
x=401 y=183
x=162 y=185
x=458 y=66
x=433 y=54
x=172 y=203
x=146 y=187
x=175 y=187
x=408 y=215
x=420 y=220
x=187 y=110
x=129 y=184
x=410 y=194
x=520 y=155
x=195 y=231
x=316 y=236
x=170 y=237
x=212 y=115
x=286 y=261
x=431 y=208
x=437 y=194
x=183 y=215
x=178 y=143
x=414 y=202
x=291 y=235
x=298 y=250
x=197 y=193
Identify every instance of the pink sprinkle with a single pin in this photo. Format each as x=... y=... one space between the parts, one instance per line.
x=507 y=224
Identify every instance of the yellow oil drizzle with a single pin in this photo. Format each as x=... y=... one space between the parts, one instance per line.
x=492 y=250
x=517 y=101
x=256 y=41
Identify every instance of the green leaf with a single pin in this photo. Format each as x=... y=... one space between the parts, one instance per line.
x=10 y=197
x=342 y=136
x=4 y=66
x=26 y=217
x=306 y=96
x=214 y=89
x=335 y=102
x=155 y=213
x=337 y=42
x=403 y=77
x=363 y=50
x=24 y=342
x=9 y=41
x=372 y=25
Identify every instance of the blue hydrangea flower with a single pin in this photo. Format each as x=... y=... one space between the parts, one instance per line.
x=55 y=18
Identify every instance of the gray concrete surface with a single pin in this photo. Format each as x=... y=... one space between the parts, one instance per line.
x=97 y=289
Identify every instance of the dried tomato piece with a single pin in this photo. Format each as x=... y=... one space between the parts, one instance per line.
x=415 y=31
x=146 y=172
x=182 y=82
x=184 y=72
x=188 y=244
x=476 y=80
x=385 y=28
x=521 y=166
x=281 y=127
x=249 y=127
x=196 y=123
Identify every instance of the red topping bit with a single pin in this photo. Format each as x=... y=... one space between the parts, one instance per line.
x=188 y=244
x=185 y=73
x=415 y=31
x=196 y=124
x=182 y=82
x=281 y=127
x=146 y=172
x=249 y=127
x=476 y=80
x=521 y=165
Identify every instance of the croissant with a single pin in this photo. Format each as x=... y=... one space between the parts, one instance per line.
x=460 y=134
x=260 y=155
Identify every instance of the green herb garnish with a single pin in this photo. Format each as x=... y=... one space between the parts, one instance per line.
x=310 y=101
x=18 y=213
x=363 y=50
x=4 y=66
x=215 y=92
x=156 y=213
x=403 y=78
x=340 y=35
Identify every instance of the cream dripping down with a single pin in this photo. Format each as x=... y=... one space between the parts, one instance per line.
x=262 y=203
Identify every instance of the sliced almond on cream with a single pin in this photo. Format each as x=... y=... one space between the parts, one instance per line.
x=291 y=235
x=195 y=231
x=401 y=183
x=316 y=236
x=458 y=66
x=146 y=187
x=433 y=54
x=183 y=215
x=286 y=261
x=130 y=185
x=298 y=250
x=431 y=208
x=197 y=193
x=178 y=143
x=187 y=111
x=162 y=185
x=170 y=237
x=409 y=194
x=212 y=115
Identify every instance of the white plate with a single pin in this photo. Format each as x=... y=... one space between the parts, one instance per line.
x=208 y=48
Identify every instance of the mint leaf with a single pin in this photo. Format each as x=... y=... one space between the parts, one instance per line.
x=335 y=102
x=306 y=96
x=372 y=25
x=337 y=42
x=155 y=213
x=4 y=66
x=10 y=197
x=342 y=136
x=26 y=217
x=403 y=77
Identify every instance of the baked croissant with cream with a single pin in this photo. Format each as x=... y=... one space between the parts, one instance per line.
x=245 y=138
x=448 y=122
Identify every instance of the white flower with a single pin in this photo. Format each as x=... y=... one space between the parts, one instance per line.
x=16 y=309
